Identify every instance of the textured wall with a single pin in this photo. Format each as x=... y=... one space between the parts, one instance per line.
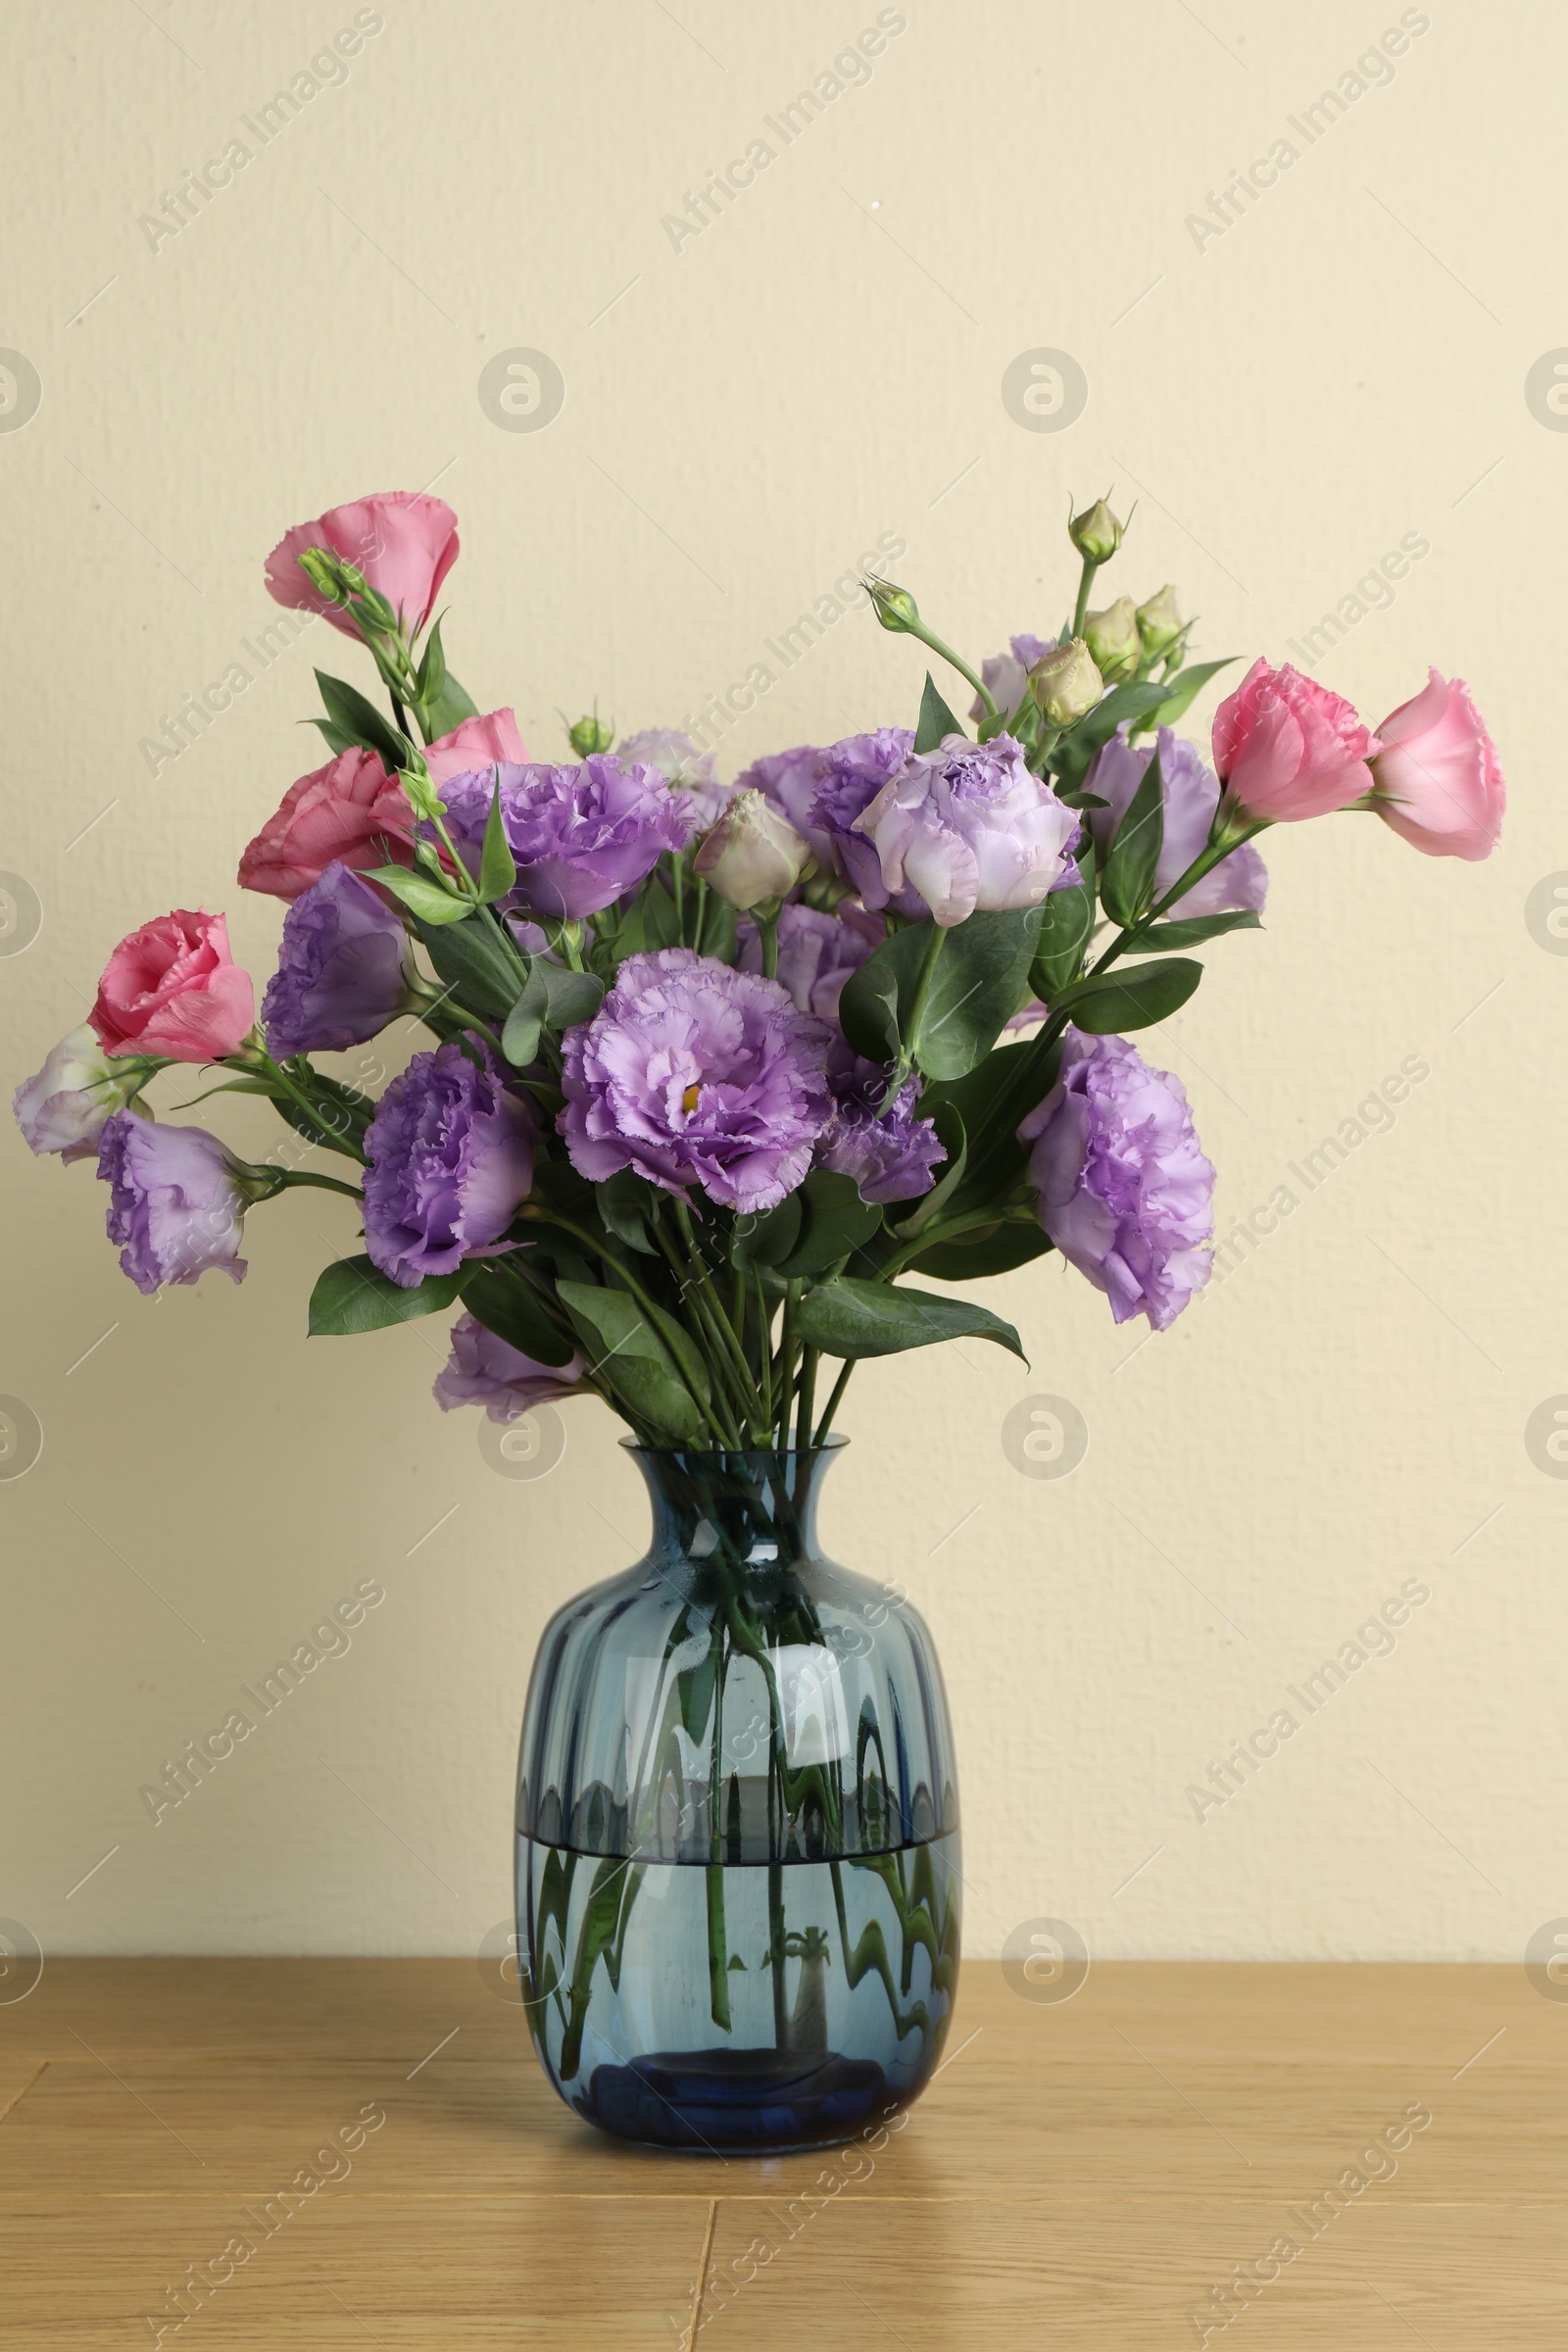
x=1339 y=372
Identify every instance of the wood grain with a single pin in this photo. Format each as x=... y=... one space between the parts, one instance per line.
x=1083 y=2172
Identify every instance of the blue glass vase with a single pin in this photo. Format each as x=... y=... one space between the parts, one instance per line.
x=737 y=1828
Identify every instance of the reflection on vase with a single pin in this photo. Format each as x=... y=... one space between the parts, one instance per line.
x=737 y=1850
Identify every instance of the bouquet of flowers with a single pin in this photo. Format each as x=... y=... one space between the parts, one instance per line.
x=716 y=1069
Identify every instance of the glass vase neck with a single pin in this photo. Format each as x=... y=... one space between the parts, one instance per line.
x=754 y=1509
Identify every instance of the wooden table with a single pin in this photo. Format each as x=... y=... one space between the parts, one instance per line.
x=1085 y=2173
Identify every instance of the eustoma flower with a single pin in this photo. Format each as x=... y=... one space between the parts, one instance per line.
x=966 y=826
x=694 y=1073
x=817 y=952
x=1190 y=796
x=403 y=541
x=450 y=1153
x=343 y=968
x=684 y=767
x=1007 y=676
x=176 y=1201
x=852 y=773
x=1123 y=1189
x=173 y=988
x=753 y=855
x=580 y=836
x=475 y=743
x=351 y=811
x=1286 y=748
x=65 y=1107
x=486 y=1370
x=1438 y=779
x=891 y=1154
x=789 y=779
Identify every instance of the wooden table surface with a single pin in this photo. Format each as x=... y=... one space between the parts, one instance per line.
x=345 y=2150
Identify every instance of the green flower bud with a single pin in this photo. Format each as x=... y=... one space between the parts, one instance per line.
x=896 y=607
x=1065 y=684
x=1096 y=532
x=591 y=735
x=1160 y=625
x=320 y=567
x=754 y=854
x=1112 y=638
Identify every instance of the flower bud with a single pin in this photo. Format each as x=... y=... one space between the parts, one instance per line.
x=320 y=567
x=753 y=854
x=896 y=607
x=1065 y=684
x=1112 y=639
x=1096 y=533
x=1160 y=625
x=590 y=736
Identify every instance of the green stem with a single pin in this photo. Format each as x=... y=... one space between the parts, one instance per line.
x=834 y=1401
x=935 y=1233
x=532 y=1215
x=786 y=1364
x=928 y=637
x=767 y=933
x=805 y=1396
x=911 y=1028
x=1086 y=580
x=765 y=1348
x=750 y=1401
x=325 y=1183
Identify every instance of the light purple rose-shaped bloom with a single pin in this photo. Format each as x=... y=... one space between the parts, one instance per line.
x=1124 y=1190
x=342 y=968
x=581 y=836
x=685 y=768
x=891 y=1154
x=789 y=780
x=1190 y=798
x=1007 y=675
x=967 y=826
x=692 y=1073
x=487 y=1370
x=817 y=952
x=852 y=775
x=176 y=1202
x=450 y=1153
x=65 y=1105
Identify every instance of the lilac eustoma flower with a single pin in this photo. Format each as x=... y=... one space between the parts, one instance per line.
x=1124 y=1190
x=581 y=837
x=451 y=1155
x=891 y=1154
x=789 y=779
x=1191 y=793
x=64 y=1107
x=176 y=1201
x=852 y=775
x=967 y=827
x=817 y=952
x=685 y=768
x=342 y=968
x=1007 y=675
x=692 y=1073
x=489 y=1371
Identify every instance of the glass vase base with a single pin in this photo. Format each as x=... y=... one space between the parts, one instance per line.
x=737 y=2102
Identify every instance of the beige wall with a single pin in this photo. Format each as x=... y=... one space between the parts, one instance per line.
x=1344 y=366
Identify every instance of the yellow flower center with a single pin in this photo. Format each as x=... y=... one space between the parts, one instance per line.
x=688 y=1100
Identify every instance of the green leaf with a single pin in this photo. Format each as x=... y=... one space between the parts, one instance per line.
x=443 y=702
x=985 y=1252
x=422 y=898
x=936 y=720
x=1191 y=931
x=848 y=1318
x=504 y=1304
x=569 y=997
x=946 y=1119
x=498 y=869
x=1185 y=688
x=650 y=923
x=835 y=1222
x=337 y=739
x=1130 y=702
x=762 y=1238
x=362 y=723
x=717 y=937
x=1112 y=1003
x=976 y=986
x=984 y=1100
x=1066 y=919
x=623 y=1202
x=353 y=1296
x=1127 y=882
x=338 y=1119
x=480 y=971
x=633 y=1355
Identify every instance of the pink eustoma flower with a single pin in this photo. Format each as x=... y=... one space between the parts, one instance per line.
x=173 y=988
x=403 y=542
x=1438 y=779
x=1286 y=748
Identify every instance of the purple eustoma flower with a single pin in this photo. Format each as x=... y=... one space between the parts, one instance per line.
x=789 y=779
x=853 y=772
x=581 y=836
x=1191 y=795
x=64 y=1107
x=1124 y=1190
x=966 y=826
x=817 y=952
x=1007 y=675
x=342 y=968
x=685 y=768
x=692 y=1073
x=450 y=1153
x=891 y=1154
x=487 y=1370
x=176 y=1201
